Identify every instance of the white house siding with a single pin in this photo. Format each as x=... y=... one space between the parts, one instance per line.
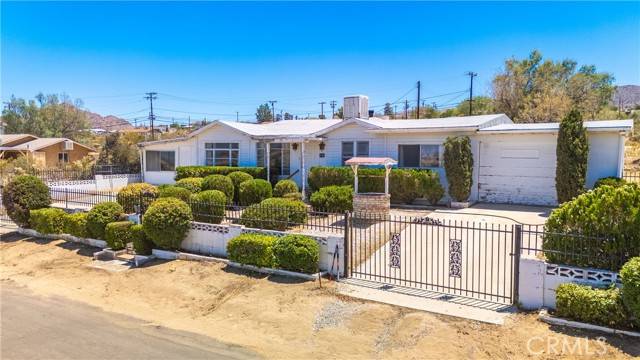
x=353 y=132
x=184 y=152
x=224 y=134
x=604 y=156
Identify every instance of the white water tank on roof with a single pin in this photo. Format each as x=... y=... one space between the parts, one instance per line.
x=356 y=106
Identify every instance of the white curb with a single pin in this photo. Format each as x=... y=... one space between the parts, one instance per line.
x=544 y=316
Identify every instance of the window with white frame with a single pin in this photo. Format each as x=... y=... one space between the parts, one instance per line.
x=221 y=154
x=63 y=157
x=354 y=148
x=160 y=160
x=418 y=156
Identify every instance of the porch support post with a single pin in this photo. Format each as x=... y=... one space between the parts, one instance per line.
x=267 y=157
x=354 y=167
x=387 y=169
x=303 y=173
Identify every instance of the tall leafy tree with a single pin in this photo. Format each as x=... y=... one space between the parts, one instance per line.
x=263 y=113
x=572 y=153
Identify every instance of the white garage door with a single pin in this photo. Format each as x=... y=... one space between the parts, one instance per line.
x=518 y=169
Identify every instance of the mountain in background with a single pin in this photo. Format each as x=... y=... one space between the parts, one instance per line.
x=626 y=96
x=109 y=122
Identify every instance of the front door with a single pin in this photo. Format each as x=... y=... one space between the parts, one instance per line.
x=279 y=160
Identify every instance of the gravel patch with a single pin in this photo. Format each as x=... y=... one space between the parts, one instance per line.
x=334 y=314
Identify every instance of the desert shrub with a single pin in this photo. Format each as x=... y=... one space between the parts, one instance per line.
x=23 y=194
x=48 y=220
x=100 y=215
x=252 y=249
x=220 y=183
x=193 y=184
x=572 y=153
x=238 y=177
x=458 y=165
x=141 y=244
x=177 y=192
x=333 y=199
x=118 y=234
x=254 y=191
x=166 y=222
x=284 y=187
x=293 y=196
x=296 y=253
x=607 y=219
x=202 y=171
x=429 y=186
x=208 y=206
x=130 y=196
x=76 y=224
x=610 y=181
x=630 y=275
x=595 y=306
x=274 y=214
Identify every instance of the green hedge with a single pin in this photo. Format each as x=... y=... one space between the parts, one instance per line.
x=202 y=171
x=193 y=184
x=173 y=191
x=48 y=220
x=118 y=234
x=254 y=191
x=609 y=212
x=458 y=165
x=237 y=178
x=596 y=306
x=208 y=206
x=23 y=194
x=141 y=244
x=100 y=215
x=76 y=224
x=167 y=222
x=252 y=249
x=220 y=183
x=572 y=155
x=274 y=214
x=333 y=199
x=296 y=253
x=405 y=185
x=630 y=275
x=130 y=196
x=284 y=187
x=610 y=181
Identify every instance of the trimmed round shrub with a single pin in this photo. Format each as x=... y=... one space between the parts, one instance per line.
x=208 y=206
x=630 y=275
x=23 y=194
x=100 y=215
x=129 y=197
x=595 y=306
x=141 y=244
x=48 y=220
x=166 y=222
x=296 y=253
x=293 y=196
x=118 y=234
x=177 y=192
x=220 y=183
x=458 y=165
x=254 y=191
x=284 y=187
x=274 y=214
x=76 y=224
x=607 y=220
x=610 y=181
x=238 y=177
x=252 y=249
x=193 y=184
x=333 y=199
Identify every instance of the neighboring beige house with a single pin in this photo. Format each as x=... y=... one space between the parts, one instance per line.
x=47 y=152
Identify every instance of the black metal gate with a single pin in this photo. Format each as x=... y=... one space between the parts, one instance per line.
x=475 y=260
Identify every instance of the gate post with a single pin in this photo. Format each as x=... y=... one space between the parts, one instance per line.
x=345 y=253
x=517 y=238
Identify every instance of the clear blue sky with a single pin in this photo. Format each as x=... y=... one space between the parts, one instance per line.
x=213 y=59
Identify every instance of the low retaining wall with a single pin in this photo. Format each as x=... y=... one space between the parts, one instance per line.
x=87 y=241
x=539 y=281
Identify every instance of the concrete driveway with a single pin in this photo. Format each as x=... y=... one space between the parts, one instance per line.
x=497 y=213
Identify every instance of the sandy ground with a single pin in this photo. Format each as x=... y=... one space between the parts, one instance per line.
x=281 y=318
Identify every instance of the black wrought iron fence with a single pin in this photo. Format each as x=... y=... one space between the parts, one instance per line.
x=631 y=175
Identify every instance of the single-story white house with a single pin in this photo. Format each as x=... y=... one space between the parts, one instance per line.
x=513 y=163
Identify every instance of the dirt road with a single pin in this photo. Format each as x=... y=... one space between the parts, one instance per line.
x=280 y=318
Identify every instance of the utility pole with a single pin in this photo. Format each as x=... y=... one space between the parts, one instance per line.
x=237 y=117
x=273 y=109
x=471 y=75
x=151 y=96
x=333 y=108
x=406 y=108
x=395 y=111
x=322 y=109
x=418 y=103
